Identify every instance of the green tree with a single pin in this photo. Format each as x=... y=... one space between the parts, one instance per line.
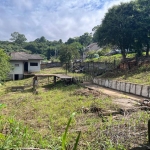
x=18 y=38
x=142 y=28
x=70 y=40
x=42 y=39
x=4 y=65
x=85 y=39
x=127 y=26
x=95 y=34
x=78 y=47
x=116 y=28
x=68 y=53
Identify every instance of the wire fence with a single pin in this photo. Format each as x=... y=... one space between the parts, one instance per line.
x=94 y=68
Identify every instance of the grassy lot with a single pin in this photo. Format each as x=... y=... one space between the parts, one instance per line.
x=139 y=75
x=39 y=120
x=111 y=58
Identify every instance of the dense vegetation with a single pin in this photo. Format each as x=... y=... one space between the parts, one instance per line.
x=48 y=49
x=4 y=65
x=126 y=26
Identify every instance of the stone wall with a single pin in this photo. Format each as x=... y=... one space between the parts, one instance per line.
x=141 y=90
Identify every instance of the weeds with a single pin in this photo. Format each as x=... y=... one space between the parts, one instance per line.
x=65 y=135
x=29 y=120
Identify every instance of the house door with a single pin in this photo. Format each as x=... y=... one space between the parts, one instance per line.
x=26 y=66
x=16 y=76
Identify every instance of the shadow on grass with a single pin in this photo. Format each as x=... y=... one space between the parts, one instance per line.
x=28 y=90
x=61 y=85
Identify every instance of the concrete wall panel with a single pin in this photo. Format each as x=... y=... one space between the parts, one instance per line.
x=128 y=87
x=118 y=85
x=122 y=86
x=132 y=89
x=114 y=84
x=106 y=83
x=138 y=89
x=96 y=81
x=103 y=82
x=145 y=91
x=110 y=84
x=142 y=90
x=100 y=82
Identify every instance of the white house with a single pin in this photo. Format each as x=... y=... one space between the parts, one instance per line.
x=24 y=63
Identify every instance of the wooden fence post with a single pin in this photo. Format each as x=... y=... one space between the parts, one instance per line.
x=54 y=79
x=66 y=67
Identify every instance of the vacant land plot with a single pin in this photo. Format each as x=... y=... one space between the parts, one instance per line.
x=39 y=120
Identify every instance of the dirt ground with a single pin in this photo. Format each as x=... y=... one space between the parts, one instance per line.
x=124 y=100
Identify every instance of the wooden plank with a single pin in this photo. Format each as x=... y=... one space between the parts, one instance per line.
x=16 y=88
x=61 y=76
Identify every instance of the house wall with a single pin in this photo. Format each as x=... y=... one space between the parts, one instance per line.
x=18 y=68
x=34 y=68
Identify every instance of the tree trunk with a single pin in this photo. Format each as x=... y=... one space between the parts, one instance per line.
x=147 y=50
x=123 y=54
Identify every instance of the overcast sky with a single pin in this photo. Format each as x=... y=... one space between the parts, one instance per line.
x=53 y=19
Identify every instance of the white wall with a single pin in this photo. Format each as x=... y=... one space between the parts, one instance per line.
x=137 y=89
x=17 y=69
x=34 y=68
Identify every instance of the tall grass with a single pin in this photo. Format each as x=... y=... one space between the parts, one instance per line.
x=41 y=121
x=64 y=137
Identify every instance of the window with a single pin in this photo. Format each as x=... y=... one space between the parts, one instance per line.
x=33 y=64
x=16 y=65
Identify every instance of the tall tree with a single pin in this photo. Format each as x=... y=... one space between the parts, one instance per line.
x=117 y=26
x=142 y=30
x=70 y=40
x=77 y=46
x=42 y=39
x=68 y=53
x=95 y=34
x=18 y=38
x=85 y=39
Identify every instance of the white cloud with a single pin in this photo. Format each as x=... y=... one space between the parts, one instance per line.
x=50 y=18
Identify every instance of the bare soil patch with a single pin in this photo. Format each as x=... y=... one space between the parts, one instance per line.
x=87 y=92
x=123 y=100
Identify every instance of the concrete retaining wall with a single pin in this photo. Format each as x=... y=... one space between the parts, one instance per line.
x=141 y=90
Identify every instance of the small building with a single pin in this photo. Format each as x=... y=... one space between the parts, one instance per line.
x=24 y=63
